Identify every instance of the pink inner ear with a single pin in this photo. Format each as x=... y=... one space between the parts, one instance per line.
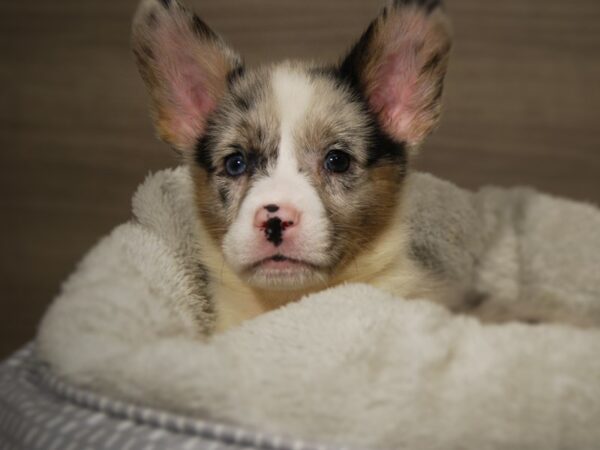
x=188 y=81
x=396 y=91
x=191 y=103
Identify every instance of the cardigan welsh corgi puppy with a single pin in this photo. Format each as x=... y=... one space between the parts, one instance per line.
x=298 y=168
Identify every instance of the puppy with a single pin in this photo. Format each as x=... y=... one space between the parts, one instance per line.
x=298 y=168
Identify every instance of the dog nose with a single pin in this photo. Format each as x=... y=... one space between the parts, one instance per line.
x=274 y=220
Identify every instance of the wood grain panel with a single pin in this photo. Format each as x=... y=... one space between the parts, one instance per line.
x=522 y=103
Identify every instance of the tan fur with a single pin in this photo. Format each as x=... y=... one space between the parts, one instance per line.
x=385 y=264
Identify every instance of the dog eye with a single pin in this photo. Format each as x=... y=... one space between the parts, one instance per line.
x=235 y=165
x=337 y=161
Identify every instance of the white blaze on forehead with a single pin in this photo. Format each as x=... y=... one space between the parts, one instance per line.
x=293 y=94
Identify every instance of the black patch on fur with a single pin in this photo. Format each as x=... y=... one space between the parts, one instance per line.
x=257 y=160
x=166 y=3
x=235 y=74
x=336 y=75
x=203 y=152
x=241 y=102
x=352 y=65
x=382 y=148
x=201 y=29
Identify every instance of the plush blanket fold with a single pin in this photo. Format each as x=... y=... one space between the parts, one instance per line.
x=354 y=365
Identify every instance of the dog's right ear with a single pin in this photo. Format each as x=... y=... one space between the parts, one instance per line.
x=185 y=66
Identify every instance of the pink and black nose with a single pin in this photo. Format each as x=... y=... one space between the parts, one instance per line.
x=275 y=221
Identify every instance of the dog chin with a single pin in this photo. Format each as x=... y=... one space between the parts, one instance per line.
x=284 y=275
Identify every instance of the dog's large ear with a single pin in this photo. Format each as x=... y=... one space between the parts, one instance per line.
x=185 y=66
x=399 y=66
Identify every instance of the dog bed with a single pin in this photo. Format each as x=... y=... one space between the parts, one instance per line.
x=41 y=412
x=351 y=366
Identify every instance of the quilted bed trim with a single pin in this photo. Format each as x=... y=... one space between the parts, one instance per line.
x=23 y=378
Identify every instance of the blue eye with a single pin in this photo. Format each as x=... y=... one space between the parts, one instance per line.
x=235 y=165
x=337 y=161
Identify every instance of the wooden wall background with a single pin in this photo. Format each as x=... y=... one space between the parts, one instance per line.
x=522 y=107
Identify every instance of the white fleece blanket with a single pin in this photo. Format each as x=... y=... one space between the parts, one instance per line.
x=354 y=365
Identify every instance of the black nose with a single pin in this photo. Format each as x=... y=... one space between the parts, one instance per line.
x=272 y=208
x=274 y=230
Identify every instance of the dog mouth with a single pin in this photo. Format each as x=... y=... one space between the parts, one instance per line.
x=283 y=272
x=280 y=263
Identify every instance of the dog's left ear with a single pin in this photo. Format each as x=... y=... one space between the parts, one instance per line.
x=399 y=66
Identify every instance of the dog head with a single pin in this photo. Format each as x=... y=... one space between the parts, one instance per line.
x=298 y=168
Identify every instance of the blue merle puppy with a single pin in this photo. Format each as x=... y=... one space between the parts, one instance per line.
x=298 y=168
